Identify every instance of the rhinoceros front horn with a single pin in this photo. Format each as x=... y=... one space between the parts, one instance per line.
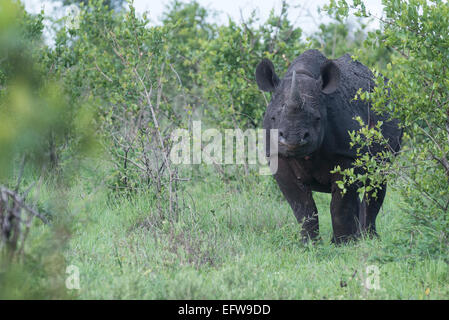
x=295 y=97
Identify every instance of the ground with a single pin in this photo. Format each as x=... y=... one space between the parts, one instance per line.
x=236 y=240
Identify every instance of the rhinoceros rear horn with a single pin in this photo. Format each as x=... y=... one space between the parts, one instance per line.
x=266 y=77
x=330 y=77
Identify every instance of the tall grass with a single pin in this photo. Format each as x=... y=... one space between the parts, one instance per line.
x=236 y=240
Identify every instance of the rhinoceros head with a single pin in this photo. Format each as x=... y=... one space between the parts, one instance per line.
x=296 y=108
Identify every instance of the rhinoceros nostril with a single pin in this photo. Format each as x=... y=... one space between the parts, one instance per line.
x=306 y=135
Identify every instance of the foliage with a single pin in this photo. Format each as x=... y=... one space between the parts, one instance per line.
x=111 y=4
x=35 y=120
x=29 y=106
x=376 y=161
x=189 y=30
x=342 y=36
x=417 y=95
x=120 y=65
x=227 y=69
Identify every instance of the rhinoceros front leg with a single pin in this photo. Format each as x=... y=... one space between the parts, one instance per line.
x=300 y=199
x=344 y=213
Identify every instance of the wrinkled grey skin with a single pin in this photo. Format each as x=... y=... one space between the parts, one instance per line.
x=313 y=109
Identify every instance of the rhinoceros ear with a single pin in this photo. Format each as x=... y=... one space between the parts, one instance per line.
x=330 y=77
x=266 y=77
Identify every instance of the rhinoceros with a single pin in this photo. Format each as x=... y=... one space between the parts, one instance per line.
x=313 y=108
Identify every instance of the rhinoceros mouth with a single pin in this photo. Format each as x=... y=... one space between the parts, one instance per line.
x=292 y=147
x=292 y=151
x=286 y=150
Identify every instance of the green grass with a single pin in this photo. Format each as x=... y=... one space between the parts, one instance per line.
x=236 y=241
